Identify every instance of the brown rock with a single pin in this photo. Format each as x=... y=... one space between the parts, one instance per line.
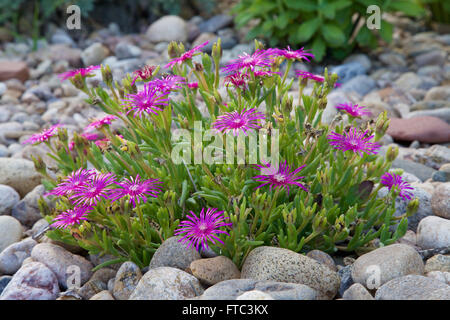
x=63 y=52
x=14 y=70
x=423 y=128
x=213 y=270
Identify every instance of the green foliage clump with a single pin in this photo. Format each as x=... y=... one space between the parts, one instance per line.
x=340 y=210
x=319 y=24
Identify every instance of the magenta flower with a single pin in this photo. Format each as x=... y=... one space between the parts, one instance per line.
x=72 y=182
x=288 y=53
x=70 y=217
x=97 y=124
x=354 y=110
x=136 y=189
x=198 y=231
x=235 y=121
x=353 y=140
x=265 y=73
x=283 y=177
x=95 y=189
x=308 y=75
x=193 y=85
x=84 y=72
x=143 y=74
x=260 y=58
x=186 y=56
x=149 y=100
x=167 y=84
x=239 y=80
x=392 y=180
x=87 y=135
x=43 y=136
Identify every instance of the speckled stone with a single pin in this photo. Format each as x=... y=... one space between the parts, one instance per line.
x=102 y=295
x=126 y=280
x=91 y=288
x=12 y=257
x=438 y=262
x=254 y=295
x=392 y=261
x=323 y=258
x=440 y=201
x=174 y=254
x=283 y=265
x=433 y=232
x=232 y=289
x=439 y=275
x=213 y=270
x=413 y=287
x=357 y=292
x=166 y=283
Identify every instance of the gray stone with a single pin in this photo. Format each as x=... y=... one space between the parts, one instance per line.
x=126 y=280
x=440 y=275
x=19 y=174
x=232 y=289
x=440 y=201
x=91 y=288
x=8 y=199
x=10 y=231
x=438 y=262
x=393 y=59
x=438 y=93
x=215 y=23
x=435 y=57
x=34 y=281
x=213 y=270
x=387 y=263
x=126 y=50
x=345 y=274
x=172 y=253
x=4 y=280
x=348 y=71
x=282 y=265
x=361 y=84
x=440 y=176
x=27 y=210
x=94 y=54
x=408 y=81
x=12 y=257
x=254 y=295
x=433 y=232
x=441 y=113
x=102 y=295
x=323 y=258
x=62 y=263
x=421 y=171
x=166 y=283
x=167 y=28
x=357 y=292
x=413 y=287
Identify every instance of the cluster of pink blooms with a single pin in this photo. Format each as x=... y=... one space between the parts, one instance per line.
x=43 y=136
x=354 y=140
x=392 y=180
x=236 y=122
x=86 y=188
x=353 y=110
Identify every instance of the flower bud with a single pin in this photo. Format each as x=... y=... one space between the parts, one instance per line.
x=173 y=50
x=107 y=75
x=39 y=164
x=217 y=51
x=392 y=153
x=78 y=82
x=412 y=207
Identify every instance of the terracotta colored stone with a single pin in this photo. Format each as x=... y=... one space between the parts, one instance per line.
x=424 y=129
x=14 y=70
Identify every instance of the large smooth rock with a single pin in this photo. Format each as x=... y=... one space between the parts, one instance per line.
x=8 y=199
x=14 y=70
x=440 y=202
x=375 y=268
x=127 y=278
x=233 y=289
x=413 y=287
x=323 y=258
x=19 y=174
x=438 y=262
x=172 y=253
x=213 y=270
x=34 y=281
x=63 y=263
x=433 y=232
x=94 y=54
x=422 y=128
x=166 y=283
x=10 y=231
x=282 y=265
x=12 y=257
x=27 y=210
x=357 y=292
x=167 y=28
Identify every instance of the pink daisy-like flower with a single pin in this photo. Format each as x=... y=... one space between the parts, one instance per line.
x=193 y=85
x=137 y=189
x=392 y=180
x=84 y=72
x=354 y=110
x=87 y=135
x=43 y=136
x=260 y=58
x=186 y=56
x=72 y=182
x=283 y=177
x=95 y=189
x=288 y=53
x=149 y=100
x=167 y=83
x=97 y=124
x=70 y=217
x=308 y=75
x=353 y=140
x=197 y=231
x=143 y=74
x=236 y=121
x=239 y=80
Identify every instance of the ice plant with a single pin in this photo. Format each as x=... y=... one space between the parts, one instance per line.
x=186 y=56
x=288 y=53
x=198 y=230
x=96 y=188
x=239 y=121
x=84 y=72
x=308 y=75
x=168 y=83
x=70 y=217
x=72 y=182
x=136 y=189
x=353 y=109
x=281 y=178
x=97 y=124
x=144 y=74
x=354 y=140
x=392 y=180
x=149 y=100
x=193 y=85
x=43 y=136
x=260 y=58
x=238 y=79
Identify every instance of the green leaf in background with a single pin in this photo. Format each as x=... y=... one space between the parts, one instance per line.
x=386 y=31
x=307 y=29
x=318 y=48
x=305 y=5
x=333 y=34
x=407 y=7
